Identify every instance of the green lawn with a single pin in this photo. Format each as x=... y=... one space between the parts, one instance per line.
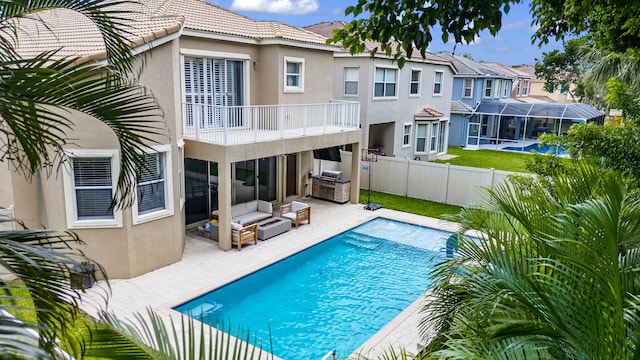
x=499 y=160
x=410 y=205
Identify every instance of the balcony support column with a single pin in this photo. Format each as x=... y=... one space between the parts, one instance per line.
x=355 y=173
x=224 y=204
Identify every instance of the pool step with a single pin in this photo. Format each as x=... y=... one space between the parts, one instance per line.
x=206 y=309
x=362 y=241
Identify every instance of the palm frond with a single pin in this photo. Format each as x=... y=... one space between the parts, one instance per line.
x=190 y=339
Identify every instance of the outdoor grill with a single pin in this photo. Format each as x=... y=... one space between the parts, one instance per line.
x=330 y=186
x=330 y=176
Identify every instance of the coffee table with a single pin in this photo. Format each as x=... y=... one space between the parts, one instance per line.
x=272 y=227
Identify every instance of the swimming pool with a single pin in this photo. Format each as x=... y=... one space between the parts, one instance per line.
x=334 y=295
x=541 y=149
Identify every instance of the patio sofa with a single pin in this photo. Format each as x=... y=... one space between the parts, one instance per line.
x=249 y=212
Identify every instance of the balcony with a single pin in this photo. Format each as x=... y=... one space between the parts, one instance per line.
x=232 y=125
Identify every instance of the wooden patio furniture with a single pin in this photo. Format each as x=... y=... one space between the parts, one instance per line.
x=297 y=212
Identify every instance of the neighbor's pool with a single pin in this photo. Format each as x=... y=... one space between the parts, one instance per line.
x=541 y=149
x=334 y=295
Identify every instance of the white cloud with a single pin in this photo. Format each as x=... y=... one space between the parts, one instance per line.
x=285 y=7
x=522 y=24
x=337 y=11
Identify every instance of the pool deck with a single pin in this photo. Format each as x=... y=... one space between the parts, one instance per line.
x=205 y=267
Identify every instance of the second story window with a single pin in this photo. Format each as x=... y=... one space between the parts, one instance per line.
x=497 y=85
x=294 y=74
x=518 y=88
x=385 y=82
x=505 y=88
x=488 y=88
x=351 y=75
x=437 y=83
x=467 y=88
x=525 y=88
x=414 y=84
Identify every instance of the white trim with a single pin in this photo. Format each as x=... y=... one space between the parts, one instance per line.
x=180 y=172
x=168 y=189
x=484 y=88
x=155 y=43
x=69 y=189
x=290 y=88
x=214 y=54
x=252 y=41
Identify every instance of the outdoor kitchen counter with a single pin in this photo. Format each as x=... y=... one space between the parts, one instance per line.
x=337 y=190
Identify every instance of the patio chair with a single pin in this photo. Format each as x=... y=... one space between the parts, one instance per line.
x=297 y=212
x=242 y=235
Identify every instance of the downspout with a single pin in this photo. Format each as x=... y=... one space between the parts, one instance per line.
x=40 y=198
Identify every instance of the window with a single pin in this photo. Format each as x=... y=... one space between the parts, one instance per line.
x=442 y=129
x=414 y=83
x=210 y=84
x=385 y=82
x=153 y=194
x=488 y=84
x=497 y=91
x=525 y=88
x=518 y=88
x=89 y=185
x=434 y=133
x=562 y=89
x=351 y=76
x=421 y=138
x=294 y=74
x=467 y=89
x=437 y=83
x=406 y=135
x=505 y=88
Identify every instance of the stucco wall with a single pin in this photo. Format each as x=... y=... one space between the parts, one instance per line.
x=129 y=250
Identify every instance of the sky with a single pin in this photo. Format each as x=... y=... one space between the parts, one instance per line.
x=512 y=45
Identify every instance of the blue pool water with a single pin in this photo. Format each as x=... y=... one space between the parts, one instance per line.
x=541 y=149
x=334 y=295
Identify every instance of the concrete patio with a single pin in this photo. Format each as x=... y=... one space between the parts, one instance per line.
x=205 y=267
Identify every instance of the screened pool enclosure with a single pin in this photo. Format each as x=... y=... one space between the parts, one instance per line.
x=498 y=124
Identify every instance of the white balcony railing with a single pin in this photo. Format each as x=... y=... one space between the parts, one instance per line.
x=245 y=124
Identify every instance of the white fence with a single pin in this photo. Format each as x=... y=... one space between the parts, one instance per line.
x=444 y=183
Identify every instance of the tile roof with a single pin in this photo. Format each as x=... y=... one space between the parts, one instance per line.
x=203 y=16
x=428 y=112
x=73 y=35
x=326 y=30
x=458 y=107
x=530 y=70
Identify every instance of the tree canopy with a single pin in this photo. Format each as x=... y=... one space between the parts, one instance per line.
x=401 y=25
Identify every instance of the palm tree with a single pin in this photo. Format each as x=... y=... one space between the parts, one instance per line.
x=555 y=275
x=37 y=95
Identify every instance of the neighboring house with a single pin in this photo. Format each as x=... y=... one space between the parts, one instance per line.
x=521 y=85
x=245 y=105
x=537 y=92
x=484 y=115
x=474 y=83
x=404 y=112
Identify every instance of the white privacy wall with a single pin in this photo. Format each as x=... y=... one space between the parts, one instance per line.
x=450 y=184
